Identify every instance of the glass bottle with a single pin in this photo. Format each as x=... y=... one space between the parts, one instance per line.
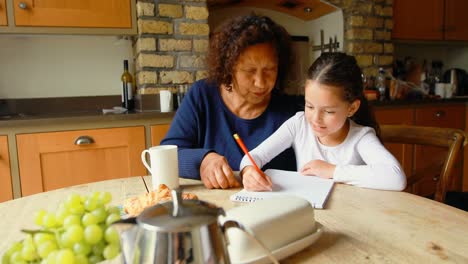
x=127 y=88
x=380 y=84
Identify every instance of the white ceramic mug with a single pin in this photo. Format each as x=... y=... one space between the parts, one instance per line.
x=440 y=89
x=164 y=167
x=165 y=100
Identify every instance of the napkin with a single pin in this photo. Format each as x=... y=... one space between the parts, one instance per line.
x=115 y=110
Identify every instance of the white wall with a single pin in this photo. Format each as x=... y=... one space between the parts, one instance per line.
x=61 y=66
x=332 y=25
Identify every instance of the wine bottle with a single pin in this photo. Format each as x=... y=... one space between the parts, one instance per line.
x=127 y=88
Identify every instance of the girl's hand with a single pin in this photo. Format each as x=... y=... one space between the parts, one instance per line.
x=254 y=181
x=319 y=168
x=216 y=173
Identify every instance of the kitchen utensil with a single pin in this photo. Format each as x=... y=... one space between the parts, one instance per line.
x=458 y=77
x=178 y=231
x=450 y=89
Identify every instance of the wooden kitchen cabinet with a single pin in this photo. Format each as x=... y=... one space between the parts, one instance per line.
x=6 y=188
x=465 y=156
x=54 y=160
x=418 y=19
x=59 y=13
x=394 y=116
x=3 y=13
x=430 y=20
x=158 y=132
x=74 y=17
x=421 y=158
x=451 y=116
x=456 y=20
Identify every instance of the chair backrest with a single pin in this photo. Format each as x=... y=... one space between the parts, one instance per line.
x=452 y=139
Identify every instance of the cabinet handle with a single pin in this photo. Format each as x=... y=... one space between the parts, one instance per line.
x=22 y=5
x=440 y=113
x=435 y=178
x=84 y=140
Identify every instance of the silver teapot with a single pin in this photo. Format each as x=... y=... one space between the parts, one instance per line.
x=177 y=231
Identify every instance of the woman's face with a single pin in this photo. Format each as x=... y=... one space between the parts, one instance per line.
x=255 y=73
x=327 y=112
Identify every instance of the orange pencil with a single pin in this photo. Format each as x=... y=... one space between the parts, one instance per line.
x=244 y=148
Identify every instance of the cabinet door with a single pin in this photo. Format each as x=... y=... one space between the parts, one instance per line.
x=432 y=157
x=465 y=156
x=54 y=160
x=6 y=189
x=83 y=13
x=456 y=20
x=3 y=13
x=402 y=152
x=158 y=132
x=418 y=19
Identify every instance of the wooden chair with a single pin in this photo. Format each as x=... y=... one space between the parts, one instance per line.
x=451 y=139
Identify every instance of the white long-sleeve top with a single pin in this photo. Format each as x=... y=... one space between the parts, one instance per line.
x=360 y=159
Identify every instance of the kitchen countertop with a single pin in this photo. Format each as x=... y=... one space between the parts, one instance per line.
x=27 y=119
x=58 y=110
x=426 y=101
x=20 y=119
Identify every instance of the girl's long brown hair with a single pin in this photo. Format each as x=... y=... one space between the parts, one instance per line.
x=341 y=70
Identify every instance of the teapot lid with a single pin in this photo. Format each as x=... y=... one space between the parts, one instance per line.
x=178 y=215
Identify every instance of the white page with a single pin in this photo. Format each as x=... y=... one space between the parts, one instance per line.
x=313 y=189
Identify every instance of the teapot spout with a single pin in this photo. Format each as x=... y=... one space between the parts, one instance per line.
x=127 y=229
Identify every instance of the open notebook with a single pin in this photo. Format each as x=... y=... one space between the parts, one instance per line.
x=311 y=188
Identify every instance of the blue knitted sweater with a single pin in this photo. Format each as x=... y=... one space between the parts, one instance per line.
x=204 y=124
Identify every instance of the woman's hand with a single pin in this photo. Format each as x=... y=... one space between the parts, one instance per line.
x=216 y=173
x=319 y=168
x=254 y=181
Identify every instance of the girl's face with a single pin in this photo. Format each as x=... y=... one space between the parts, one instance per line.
x=327 y=112
x=255 y=73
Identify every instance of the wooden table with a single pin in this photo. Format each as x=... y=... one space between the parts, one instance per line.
x=361 y=225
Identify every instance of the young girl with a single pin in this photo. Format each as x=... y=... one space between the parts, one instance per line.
x=335 y=137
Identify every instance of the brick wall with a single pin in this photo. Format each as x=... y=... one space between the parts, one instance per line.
x=367 y=32
x=173 y=39
x=171 y=45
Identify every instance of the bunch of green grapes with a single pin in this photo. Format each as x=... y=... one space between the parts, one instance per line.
x=78 y=232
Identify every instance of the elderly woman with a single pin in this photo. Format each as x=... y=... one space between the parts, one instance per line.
x=247 y=63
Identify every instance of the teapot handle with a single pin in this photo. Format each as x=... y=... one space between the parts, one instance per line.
x=231 y=223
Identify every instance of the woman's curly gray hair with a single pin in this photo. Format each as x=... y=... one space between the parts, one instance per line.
x=234 y=36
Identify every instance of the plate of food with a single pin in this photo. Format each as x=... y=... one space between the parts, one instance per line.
x=133 y=206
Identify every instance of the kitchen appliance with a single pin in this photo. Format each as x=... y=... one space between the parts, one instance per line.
x=458 y=76
x=178 y=231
